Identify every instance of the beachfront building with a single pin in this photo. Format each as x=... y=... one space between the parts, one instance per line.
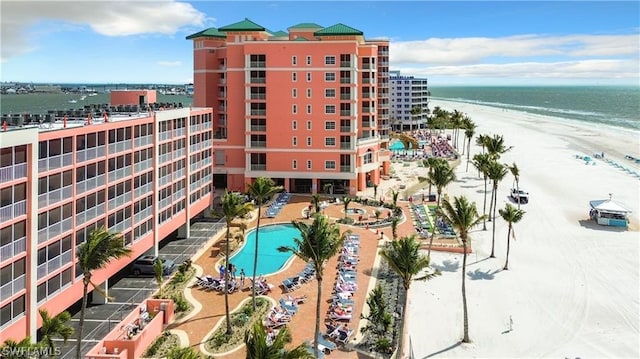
x=142 y=170
x=307 y=107
x=405 y=93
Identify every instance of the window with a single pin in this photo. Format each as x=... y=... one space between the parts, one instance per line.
x=308 y=164
x=330 y=141
x=309 y=109
x=294 y=164
x=294 y=93
x=330 y=165
x=309 y=125
x=330 y=109
x=329 y=60
x=330 y=93
x=329 y=76
x=294 y=124
x=308 y=60
x=294 y=76
x=308 y=76
x=294 y=109
x=330 y=125
x=308 y=141
x=308 y=93
x=294 y=60
x=294 y=141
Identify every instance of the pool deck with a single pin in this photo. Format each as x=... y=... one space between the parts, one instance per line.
x=210 y=305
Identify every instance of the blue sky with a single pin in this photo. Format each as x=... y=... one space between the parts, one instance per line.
x=450 y=43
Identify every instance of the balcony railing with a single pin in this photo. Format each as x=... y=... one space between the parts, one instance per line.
x=119 y=146
x=346 y=145
x=143 y=141
x=54 y=230
x=258 y=167
x=90 y=153
x=164 y=203
x=367 y=66
x=258 y=144
x=259 y=128
x=11 y=211
x=258 y=80
x=345 y=63
x=367 y=109
x=164 y=180
x=346 y=113
x=89 y=214
x=57 y=195
x=368 y=80
x=346 y=96
x=164 y=158
x=258 y=96
x=52 y=264
x=178 y=174
x=258 y=64
x=12 y=249
x=345 y=80
x=142 y=215
x=90 y=184
x=346 y=168
x=119 y=201
x=54 y=162
x=255 y=112
x=16 y=285
x=143 y=190
x=10 y=173
x=119 y=173
x=122 y=226
x=346 y=129
x=143 y=166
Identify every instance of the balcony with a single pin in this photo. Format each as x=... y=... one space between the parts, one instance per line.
x=16 y=285
x=51 y=163
x=90 y=184
x=346 y=145
x=346 y=96
x=164 y=180
x=345 y=63
x=53 y=264
x=258 y=80
x=367 y=109
x=258 y=112
x=258 y=144
x=55 y=196
x=345 y=168
x=12 y=249
x=367 y=95
x=368 y=80
x=119 y=201
x=258 y=64
x=143 y=141
x=258 y=96
x=347 y=129
x=345 y=80
x=144 y=190
x=143 y=166
x=367 y=66
x=178 y=174
x=142 y=215
x=122 y=226
x=258 y=167
x=346 y=113
x=55 y=230
x=179 y=132
x=120 y=173
x=258 y=128
x=164 y=158
x=119 y=146
x=90 y=153
x=90 y=214
x=10 y=173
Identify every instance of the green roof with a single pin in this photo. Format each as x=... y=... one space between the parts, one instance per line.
x=210 y=32
x=244 y=25
x=305 y=25
x=280 y=33
x=338 y=29
x=300 y=39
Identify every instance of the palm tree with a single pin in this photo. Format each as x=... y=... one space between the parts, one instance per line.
x=441 y=177
x=415 y=112
x=261 y=190
x=258 y=348
x=395 y=220
x=158 y=274
x=457 y=122
x=232 y=207
x=469 y=131
x=320 y=241
x=481 y=140
x=497 y=171
x=101 y=247
x=430 y=163
x=495 y=146
x=11 y=349
x=462 y=216
x=404 y=258
x=315 y=199
x=394 y=198
x=53 y=327
x=345 y=201
x=511 y=215
x=481 y=162
x=515 y=172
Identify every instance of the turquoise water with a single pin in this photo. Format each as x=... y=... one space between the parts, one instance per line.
x=269 y=259
x=610 y=105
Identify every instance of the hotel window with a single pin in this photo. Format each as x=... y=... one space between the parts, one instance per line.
x=330 y=165
x=330 y=125
x=294 y=76
x=294 y=60
x=294 y=109
x=308 y=60
x=308 y=76
x=294 y=141
x=308 y=141
x=330 y=93
x=308 y=93
x=329 y=76
x=294 y=93
x=294 y=124
x=329 y=60
x=309 y=125
x=308 y=109
x=308 y=164
x=330 y=141
x=294 y=164
x=330 y=109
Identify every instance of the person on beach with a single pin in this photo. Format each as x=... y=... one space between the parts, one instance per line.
x=242 y=278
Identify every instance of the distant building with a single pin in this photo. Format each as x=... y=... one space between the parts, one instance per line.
x=407 y=92
x=47 y=88
x=307 y=107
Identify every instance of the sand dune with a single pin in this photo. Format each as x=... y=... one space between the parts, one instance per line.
x=572 y=286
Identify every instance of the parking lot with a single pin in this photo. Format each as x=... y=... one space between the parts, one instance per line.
x=129 y=291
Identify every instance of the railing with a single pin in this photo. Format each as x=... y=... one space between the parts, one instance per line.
x=164 y=180
x=345 y=168
x=13 y=210
x=259 y=64
x=143 y=141
x=119 y=173
x=346 y=129
x=367 y=95
x=258 y=167
x=12 y=249
x=54 y=162
x=345 y=96
x=179 y=194
x=258 y=80
x=345 y=63
x=346 y=113
x=258 y=96
x=367 y=66
x=367 y=109
x=179 y=152
x=179 y=132
x=89 y=214
x=260 y=128
x=260 y=112
x=16 y=285
x=119 y=146
x=90 y=153
x=368 y=80
x=258 y=144
x=122 y=226
x=163 y=136
x=143 y=190
x=346 y=145
x=142 y=215
x=119 y=201
x=194 y=128
x=164 y=203
x=90 y=184
x=178 y=174
x=54 y=196
x=345 y=80
x=10 y=173
x=143 y=166
x=54 y=263
x=164 y=158
x=54 y=230
x=194 y=148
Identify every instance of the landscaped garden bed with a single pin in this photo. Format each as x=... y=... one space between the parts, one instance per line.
x=241 y=321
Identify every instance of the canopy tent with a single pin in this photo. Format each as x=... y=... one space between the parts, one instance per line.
x=608 y=205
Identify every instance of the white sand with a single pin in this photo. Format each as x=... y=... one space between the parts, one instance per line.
x=572 y=286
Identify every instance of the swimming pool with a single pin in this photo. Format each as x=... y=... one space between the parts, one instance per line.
x=269 y=259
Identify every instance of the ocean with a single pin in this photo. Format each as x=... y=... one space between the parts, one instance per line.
x=614 y=106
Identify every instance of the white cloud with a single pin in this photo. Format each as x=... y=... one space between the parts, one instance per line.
x=170 y=63
x=108 y=18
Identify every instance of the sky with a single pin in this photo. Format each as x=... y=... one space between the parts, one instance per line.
x=449 y=42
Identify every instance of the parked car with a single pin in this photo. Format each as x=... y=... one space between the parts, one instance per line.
x=518 y=193
x=144 y=265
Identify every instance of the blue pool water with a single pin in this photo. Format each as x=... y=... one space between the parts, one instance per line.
x=269 y=259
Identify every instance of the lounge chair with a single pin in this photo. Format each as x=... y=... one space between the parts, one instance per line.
x=291 y=309
x=342 y=337
x=291 y=284
x=346 y=287
x=340 y=316
x=326 y=346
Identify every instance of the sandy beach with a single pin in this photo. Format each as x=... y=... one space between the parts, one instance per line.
x=572 y=286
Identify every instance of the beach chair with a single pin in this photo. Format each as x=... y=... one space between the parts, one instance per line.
x=291 y=284
x=289 y=307
x=340 y=316
x=342 y=337
x=326 y=346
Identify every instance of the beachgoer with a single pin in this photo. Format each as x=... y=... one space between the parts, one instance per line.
x=233 y=271
x=242 y=278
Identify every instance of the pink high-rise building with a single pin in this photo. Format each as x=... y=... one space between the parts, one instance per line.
x=308 y=107
x=143 y=170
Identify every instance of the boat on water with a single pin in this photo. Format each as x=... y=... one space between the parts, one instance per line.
x=83 y=97
x=93 y=94
x=72 y=101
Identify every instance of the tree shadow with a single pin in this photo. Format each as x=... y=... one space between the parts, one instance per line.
x=443 y=350
x=447 y=266
x=591 y=224
x=480 y=275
